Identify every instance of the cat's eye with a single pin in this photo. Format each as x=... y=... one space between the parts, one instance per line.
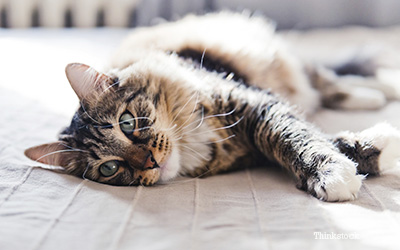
x=109 y=168
x=127 y=123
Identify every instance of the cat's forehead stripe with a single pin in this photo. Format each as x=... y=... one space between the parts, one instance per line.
x=134 y=95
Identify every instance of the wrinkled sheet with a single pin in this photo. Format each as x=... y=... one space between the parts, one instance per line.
x=255 y=208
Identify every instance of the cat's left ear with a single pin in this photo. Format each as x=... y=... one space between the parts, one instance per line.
x=86 y=81
x=55 y=154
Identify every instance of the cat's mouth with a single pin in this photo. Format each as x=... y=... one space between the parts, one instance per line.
x=158 y=169
x=152 y=172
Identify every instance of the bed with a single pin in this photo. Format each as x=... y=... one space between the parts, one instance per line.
x=255 y=208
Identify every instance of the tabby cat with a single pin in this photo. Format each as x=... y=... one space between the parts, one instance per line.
x=200 y=96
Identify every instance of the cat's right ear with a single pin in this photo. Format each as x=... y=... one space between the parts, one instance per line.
x=86 y=81
x=55 y=154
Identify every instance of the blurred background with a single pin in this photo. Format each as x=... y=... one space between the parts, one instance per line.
x=32 y=61
x=288 y=14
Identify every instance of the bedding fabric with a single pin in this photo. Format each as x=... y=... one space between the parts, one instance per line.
x=255 y=208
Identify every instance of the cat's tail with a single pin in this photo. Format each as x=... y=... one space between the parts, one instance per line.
x=374 y=150
x=363 y=82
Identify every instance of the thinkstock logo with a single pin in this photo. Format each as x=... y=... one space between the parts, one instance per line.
x=336 y=236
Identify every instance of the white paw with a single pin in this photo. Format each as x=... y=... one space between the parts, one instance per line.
x=386 y=138
x=360 y=98
x=340 y=181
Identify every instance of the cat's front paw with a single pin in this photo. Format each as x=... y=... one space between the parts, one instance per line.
x=336 y=181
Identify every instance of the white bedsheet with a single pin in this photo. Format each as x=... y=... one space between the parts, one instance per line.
x=257 y=208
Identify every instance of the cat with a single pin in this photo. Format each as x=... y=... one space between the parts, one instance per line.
x=211 y=93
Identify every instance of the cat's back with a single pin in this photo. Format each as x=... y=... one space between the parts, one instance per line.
x=220 y=35
x=242 y=44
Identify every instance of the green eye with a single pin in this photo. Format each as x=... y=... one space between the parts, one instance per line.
x=127 y=123
x=109 y=168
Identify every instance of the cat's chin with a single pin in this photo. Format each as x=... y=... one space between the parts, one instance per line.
x=170 y=167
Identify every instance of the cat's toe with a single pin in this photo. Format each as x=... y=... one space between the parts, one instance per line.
x=386 y=139
x=343 y=188
x=338 y=181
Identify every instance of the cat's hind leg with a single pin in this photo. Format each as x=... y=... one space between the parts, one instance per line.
x=375 y=149
x=367 y=80
x=350 y=92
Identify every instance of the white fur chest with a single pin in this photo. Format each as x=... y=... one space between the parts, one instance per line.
x=195 y=145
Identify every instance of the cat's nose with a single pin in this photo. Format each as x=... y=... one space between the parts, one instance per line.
x=150 y=162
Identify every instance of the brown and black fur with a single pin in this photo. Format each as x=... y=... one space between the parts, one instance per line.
x=202 y=110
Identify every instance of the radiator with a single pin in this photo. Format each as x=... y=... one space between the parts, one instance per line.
x=92 y=13
x=58 y=13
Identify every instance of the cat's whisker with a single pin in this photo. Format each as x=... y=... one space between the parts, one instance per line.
x=109 y=87
x=193 y=111
x=183 y=107
x=208 y=131
x=202 y=58
x=59 y=151
x=118 y=123
x=178 y=181
x=189 y=180
x=195 y=156
x=168 y=129
x=205 y=118
x=198 y=126
x=84 y=173
x=102 y=93
x=197 y=153
x=212 y=142
x=216 y=129
x=144 y=128
x=72 y=148
x=85 y=112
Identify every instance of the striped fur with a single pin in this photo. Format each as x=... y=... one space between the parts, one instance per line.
x=202 y=107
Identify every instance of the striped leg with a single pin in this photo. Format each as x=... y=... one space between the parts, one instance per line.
x=319 y=167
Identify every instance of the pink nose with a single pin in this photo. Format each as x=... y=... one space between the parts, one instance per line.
x=150 y=162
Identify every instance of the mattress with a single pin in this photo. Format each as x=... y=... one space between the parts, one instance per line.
x=258 y=207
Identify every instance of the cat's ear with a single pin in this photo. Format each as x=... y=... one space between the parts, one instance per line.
x=86 y=81
x=55 y=154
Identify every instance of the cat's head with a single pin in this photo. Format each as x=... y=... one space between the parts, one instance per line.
x=124 y=131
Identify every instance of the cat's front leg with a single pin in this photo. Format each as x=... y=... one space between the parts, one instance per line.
x=319 y=167
x=302 y=149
